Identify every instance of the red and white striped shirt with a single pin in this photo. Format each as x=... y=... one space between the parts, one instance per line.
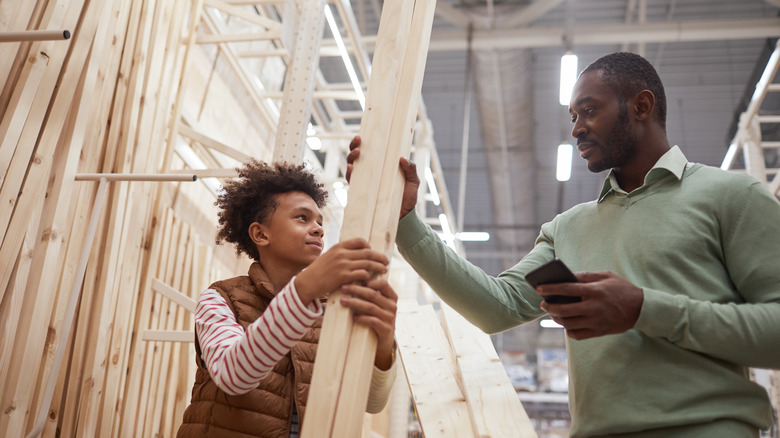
x=238 y=361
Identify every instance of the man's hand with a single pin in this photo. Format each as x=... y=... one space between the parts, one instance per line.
x=609 y=305
x=409 y=169
x=345 y=262
x=374 y=306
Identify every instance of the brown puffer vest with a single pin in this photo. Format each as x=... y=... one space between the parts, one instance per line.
x=265 y=411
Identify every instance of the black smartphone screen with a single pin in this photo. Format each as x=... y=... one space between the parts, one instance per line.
x=554 y=271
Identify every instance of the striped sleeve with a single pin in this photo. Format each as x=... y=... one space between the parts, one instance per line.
x=238 y=361
x=379 y=392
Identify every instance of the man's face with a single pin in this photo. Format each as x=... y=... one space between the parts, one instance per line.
x=604 y=134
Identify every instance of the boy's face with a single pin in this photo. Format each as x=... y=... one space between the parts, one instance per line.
x=293 y=233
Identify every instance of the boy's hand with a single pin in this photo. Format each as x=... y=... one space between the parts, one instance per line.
x=409 y=169
x=346 y=262
x=374 y=306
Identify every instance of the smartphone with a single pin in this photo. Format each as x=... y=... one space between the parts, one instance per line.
x=554 y=271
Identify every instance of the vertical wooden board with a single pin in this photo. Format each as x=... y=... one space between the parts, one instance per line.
x=95 y=22
x=178 y=353
x=158 y=321
x=337 y=324
x=362 y=342
x=29 y=102
x=431 y=372
x=110 y=36
x=56 y=219
x=12 y=55
x=22 y=127
x=115 y=249
x=11 y=305
x=141 y=351
x=47 y=251
x=170 y=310
x=495 y=408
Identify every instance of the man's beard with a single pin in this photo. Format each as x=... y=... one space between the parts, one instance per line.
x=620 y=145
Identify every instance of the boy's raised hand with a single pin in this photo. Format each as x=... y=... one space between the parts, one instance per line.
x=344 y=263
x=374 y=306
x=409 y=169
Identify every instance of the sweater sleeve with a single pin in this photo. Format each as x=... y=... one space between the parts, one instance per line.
x=745 y=333
x=491 y=303
x=237 y=360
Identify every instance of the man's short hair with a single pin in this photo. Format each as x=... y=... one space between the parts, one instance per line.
x=628 y=74
x=252 y=198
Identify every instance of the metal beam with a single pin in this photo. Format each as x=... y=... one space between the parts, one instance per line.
x=603 y=34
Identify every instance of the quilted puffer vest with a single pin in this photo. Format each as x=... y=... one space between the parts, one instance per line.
x=265 y=411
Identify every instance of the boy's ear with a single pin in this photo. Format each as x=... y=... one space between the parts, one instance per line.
x=257 y=234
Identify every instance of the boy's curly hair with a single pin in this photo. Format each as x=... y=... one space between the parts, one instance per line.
x=252 y=198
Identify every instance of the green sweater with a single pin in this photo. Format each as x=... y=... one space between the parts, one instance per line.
x=703 y=244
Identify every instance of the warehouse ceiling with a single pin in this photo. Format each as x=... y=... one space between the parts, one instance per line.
x=516 y=122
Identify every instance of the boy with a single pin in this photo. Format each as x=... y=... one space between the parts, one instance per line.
x=256 y=335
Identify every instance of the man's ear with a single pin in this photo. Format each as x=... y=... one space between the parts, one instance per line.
x=644 y=105
x=257 y=234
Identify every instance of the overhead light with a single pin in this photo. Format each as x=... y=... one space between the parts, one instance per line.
x=432 y=186
x=568 y=77
x=549 y=323
x=563 y=169
x=341 y=193
x=314 y=143
x=730 y=154
x=446 y=230
x=473 y=236
x=445 y=225
x=345 y=56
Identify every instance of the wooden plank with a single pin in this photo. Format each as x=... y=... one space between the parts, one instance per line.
x=170 y=423
x=328 y=413
x=68 y=387
x=11 y=15
x=385 y=222
x=118 y=250
x=495 y=408
x=161 y=372
x=210 y=143
x=431 y=372
x=11 y=303
x=174 y=295
x=245 y=14
x=20 y=127
x=133 y=197
x=229 y=55
x=41 y=289
x=238 y=37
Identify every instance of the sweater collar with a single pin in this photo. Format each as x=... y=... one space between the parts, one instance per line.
x=673 y=162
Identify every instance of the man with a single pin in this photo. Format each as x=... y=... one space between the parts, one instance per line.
x=678 y=279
